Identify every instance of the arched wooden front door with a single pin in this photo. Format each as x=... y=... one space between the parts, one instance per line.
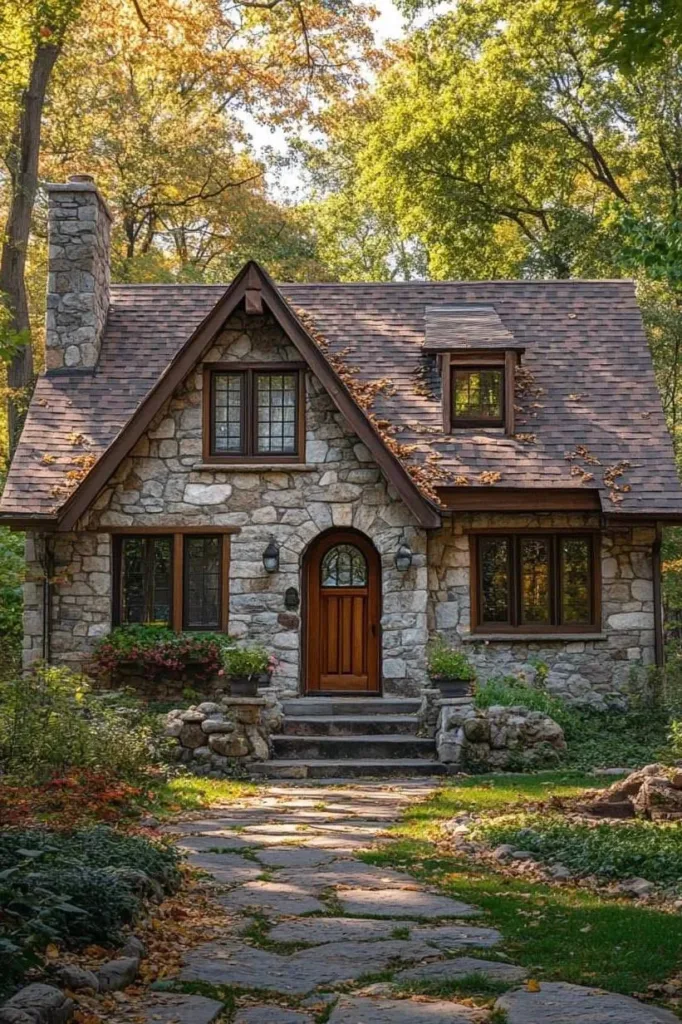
x=342 y=603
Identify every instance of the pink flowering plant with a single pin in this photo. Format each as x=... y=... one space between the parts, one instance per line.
x=158 y=652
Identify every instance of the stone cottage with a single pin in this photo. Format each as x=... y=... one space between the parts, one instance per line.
x=342 y=471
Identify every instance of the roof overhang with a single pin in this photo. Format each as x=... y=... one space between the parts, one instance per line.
x=44 y=523
x=255 y=288
x=519 y=499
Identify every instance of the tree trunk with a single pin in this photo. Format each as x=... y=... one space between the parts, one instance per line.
x=22 y=163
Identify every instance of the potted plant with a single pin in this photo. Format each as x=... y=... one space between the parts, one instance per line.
x=245 y=667
x=450 y=670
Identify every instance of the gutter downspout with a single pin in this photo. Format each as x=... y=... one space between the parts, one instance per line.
x=659 y=646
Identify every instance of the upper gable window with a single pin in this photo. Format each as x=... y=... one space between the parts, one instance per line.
x=254 y=413
x=477 y=396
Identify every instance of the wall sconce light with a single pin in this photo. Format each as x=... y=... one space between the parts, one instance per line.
x=403 y=557
x=271 y=556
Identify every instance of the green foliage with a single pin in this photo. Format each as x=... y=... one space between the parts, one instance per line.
x=617 y=739
x=645 y=849
x=157 y=651
x=73 y=888
x=11 y=598
x=50 y=721
x=444 y=662
x=247 y=661
x=675 y=738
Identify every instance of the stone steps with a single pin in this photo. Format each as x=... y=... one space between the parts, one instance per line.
x=344 y=706
x=323 y=768
x=360 y=747
x=350 y=725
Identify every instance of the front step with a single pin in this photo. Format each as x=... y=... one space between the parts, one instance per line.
x=351 y=725
x=365 y=748
x=331 y=769
x=370 y=706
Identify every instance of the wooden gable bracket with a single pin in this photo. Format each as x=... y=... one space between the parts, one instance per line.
x=253 y=296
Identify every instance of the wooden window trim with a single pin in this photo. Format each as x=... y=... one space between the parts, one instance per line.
x=249 y=453
x=177 y=569
x=185 y=580
x=479 y=359
x=514 y=626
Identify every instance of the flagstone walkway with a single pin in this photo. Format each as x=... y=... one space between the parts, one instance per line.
x=314 y=925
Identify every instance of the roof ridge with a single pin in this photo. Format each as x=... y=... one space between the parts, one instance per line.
x=550 y=282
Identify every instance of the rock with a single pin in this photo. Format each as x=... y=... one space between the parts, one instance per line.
x=359 y=1010
x=561 y=1003
x=193 y=716
x=77 y=978
x=560 y=872
x=271 y=1015
x=503 y=851
x=274 y=897
x=228 y=745
x=646 y=793
x=217 y=725
x=40 y=1004
x=134 y=948
x=638 y=886
x=227 y=868
x=174 y=727
x=191 y=735
x=324 y=930
x=498 y=738
x=676 y=780
x=462 y=967
x=149 y=821
x=521 y=855
x=293 y=857
x=208 y=708
x=117 y=974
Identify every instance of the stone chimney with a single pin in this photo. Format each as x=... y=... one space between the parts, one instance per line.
x=79 y=229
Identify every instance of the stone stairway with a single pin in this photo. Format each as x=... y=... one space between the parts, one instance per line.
x=335 y=737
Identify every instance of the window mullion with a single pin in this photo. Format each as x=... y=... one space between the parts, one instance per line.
x=555 y=580
x=515 y=580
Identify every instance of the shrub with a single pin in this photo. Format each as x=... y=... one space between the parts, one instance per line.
x=11 y=598
x=73 y=889
x=247 y=661
x=50 y=722
x=509 y=691
x=640 y=848
x=159 y=652
x=446 y=663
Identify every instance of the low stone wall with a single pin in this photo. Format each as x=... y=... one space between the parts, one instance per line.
x=211 y=737
x=497 y=738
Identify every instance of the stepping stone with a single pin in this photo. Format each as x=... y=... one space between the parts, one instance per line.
x=228 y=868
x=245 y=966
x=461 y=967
x=402 y=903
x=276 y=897
x=174 y=1008
x=203 y=844
x=457 y=936
x=322 y=930
x=561 y=1003
x=350 y=873
x=271 y=1015
x=294 y=857
x=351 y=1010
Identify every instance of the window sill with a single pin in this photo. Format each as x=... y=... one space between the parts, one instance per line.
x=255 y=467
x=526 y=638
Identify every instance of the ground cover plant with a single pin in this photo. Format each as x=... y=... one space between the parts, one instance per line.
x=559 y=933
x=159 y=652
x=72 y=888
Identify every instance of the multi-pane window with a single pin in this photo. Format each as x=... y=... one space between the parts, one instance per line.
x=146 y=580
x=254 y=413
x=535 y=582
x=170 y=580
x=477 y=396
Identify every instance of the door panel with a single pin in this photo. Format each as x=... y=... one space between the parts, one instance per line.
x=342 y=579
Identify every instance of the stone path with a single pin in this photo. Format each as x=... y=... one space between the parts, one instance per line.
x=313 y=926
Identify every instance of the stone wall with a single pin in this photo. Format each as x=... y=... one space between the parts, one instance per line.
x=497 y=738
x=79 y=228
x=163 y=483
x=582 y=670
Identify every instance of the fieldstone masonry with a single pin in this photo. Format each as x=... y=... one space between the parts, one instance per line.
x=164 y=483
x=78 y=282
x=597 y=671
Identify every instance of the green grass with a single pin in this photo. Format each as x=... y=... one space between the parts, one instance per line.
x=558 y=933
x=190 y=793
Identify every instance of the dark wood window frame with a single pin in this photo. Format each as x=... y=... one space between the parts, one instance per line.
x=178 y=589
x=479 y=359
x=249 y=411
x=514 y=625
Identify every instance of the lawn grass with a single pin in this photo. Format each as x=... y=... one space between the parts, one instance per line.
x=557 y=932
x=191 y=793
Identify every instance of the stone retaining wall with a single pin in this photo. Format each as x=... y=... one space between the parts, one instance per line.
x=211 y=737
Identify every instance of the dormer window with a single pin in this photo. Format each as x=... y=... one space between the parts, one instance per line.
x=477 y=396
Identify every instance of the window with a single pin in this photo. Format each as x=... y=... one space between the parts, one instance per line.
x=171 y=579
x=477 y=396
x=344 y=566
x=254 y=413
x=535 y=583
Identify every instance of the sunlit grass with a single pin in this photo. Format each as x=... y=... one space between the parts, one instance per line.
x=189 y=793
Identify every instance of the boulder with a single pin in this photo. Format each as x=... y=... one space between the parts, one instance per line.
x=37 y=1004
x=215 y=724
x=77 y=979
x=646 y=793
x=192 y=735
x=117 y=974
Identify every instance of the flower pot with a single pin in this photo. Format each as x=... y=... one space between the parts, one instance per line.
x=452 y=687
x=244 y=686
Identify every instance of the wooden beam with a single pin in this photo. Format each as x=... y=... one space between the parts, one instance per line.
x=510 y=361
x=519 y=499
x=178 y=588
